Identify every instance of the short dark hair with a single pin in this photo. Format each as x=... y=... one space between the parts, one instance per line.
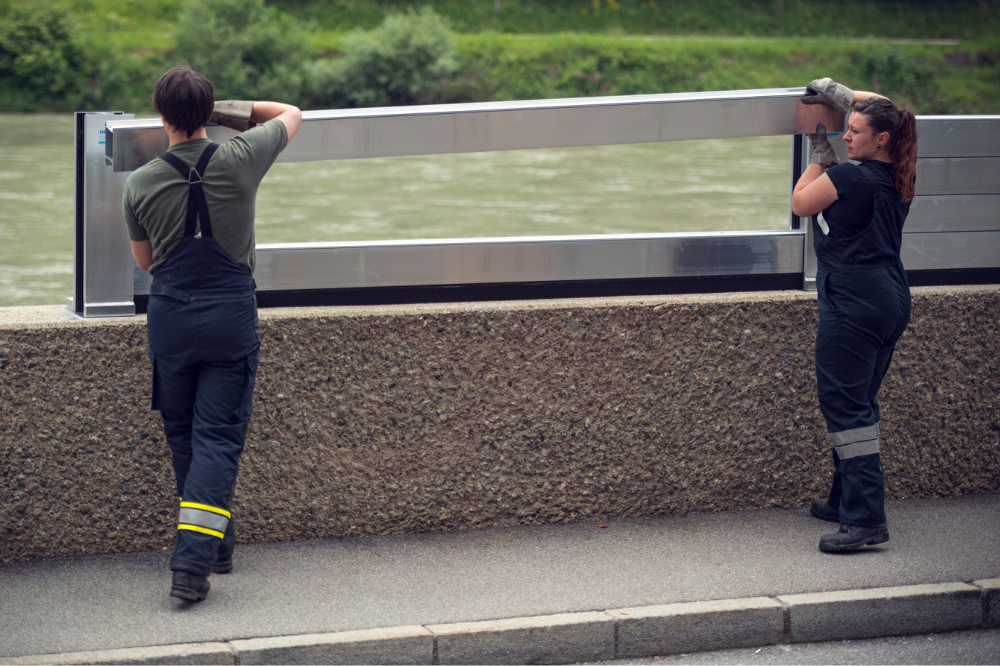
x=184 y=98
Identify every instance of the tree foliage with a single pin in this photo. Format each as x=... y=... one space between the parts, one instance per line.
x=406 y=60
x=247 y=50
x=41 y=63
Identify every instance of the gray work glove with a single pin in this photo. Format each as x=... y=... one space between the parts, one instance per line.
x=829 y=92
x=233 y=113
x=822 y=151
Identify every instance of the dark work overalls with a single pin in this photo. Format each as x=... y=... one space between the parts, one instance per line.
x=864 y=307
x=203 y=344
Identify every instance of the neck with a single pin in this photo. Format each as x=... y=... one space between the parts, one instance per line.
x=882 y=156
x=180 y=136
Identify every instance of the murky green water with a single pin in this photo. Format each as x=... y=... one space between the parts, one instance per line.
x=681 y=186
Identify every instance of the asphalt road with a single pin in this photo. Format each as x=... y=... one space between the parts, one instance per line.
x=960 y=647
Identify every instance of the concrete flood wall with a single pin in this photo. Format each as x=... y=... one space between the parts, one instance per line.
x=419 y=418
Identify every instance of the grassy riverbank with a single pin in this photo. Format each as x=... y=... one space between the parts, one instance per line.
x=930 y=78
x=513 y=49
x=884 y=19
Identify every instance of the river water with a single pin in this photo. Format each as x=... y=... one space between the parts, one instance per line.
x=730 y=184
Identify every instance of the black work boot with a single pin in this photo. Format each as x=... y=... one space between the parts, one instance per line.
x=853 y=537
x=224 y=562
x=190 y=579
x=821 y=509
x=189 y=586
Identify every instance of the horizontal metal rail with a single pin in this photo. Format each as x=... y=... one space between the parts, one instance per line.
x=296 y=266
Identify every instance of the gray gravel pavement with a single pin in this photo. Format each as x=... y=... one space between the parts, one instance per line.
x=104 y=602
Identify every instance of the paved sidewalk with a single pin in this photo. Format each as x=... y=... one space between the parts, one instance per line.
x=119 y=601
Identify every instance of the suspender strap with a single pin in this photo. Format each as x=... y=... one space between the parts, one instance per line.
x=197 y=207
x=871 y=178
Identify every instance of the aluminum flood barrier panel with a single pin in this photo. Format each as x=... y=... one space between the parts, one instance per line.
x=954 y=185
x=552 y=123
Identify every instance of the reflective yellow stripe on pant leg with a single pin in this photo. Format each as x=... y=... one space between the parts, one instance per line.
x=203 y=530
x=205 y=507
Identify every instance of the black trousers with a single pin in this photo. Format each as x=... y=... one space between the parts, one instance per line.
x=862 y=314
x=205 y=356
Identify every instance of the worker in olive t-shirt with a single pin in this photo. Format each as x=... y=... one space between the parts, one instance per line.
x=190 y=218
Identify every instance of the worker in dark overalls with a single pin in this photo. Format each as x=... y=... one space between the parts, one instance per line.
x=190 y=218
x=863 y=293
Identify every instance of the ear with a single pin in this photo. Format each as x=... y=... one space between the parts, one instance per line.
x=883 y=138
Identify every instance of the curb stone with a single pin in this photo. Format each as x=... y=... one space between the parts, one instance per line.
x=991 y=601
x=885 y=611
x=698 y=626
x=546 y=639
x=644 y=631
x=184 y=653
x=411 y=644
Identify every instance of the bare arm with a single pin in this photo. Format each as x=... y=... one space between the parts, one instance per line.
x=143 y=253
x=862 y=95
x=814 y=192
x=290 y=115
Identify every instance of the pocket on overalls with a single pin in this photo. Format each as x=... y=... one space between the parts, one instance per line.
x=256 y=319
x=171 y=293
x=246 y=402
x=870 y=282
x=154 y=404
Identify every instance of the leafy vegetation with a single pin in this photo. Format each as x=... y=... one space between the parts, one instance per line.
x=247 y=50
x=405 y=61
x=41 y=62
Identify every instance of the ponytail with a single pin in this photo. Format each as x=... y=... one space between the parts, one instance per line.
x=903 y=152
x=883 y=116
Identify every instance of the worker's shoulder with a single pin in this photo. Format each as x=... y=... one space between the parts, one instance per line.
x=844 y=175
x=151 y=172
x=264 y=138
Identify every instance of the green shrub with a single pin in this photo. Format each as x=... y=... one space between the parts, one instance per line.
x=247 y=50
x=41 y=64
x=407 y=60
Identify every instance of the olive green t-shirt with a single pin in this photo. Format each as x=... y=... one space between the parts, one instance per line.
x=156 y=195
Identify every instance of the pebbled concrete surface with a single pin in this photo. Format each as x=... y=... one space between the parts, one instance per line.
x=391 y=420
x=114 y=601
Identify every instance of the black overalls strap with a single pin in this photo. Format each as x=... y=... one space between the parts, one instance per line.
x=871 y=178
x=197 y=204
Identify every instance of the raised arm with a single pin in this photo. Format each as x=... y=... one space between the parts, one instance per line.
x=290 y=115
x=862 y=95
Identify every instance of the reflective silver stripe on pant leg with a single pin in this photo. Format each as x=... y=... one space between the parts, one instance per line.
x=857 y=449
x=862 y=434
x=206 y=519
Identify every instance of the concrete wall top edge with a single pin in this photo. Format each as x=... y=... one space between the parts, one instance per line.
x=56 y=316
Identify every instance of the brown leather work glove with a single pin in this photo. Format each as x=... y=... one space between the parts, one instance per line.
x=829 y=92
x=233 y=113
x=822 y=151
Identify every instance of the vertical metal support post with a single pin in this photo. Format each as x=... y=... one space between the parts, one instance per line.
x=102 y=257
x=800 y=161
x=75 y=302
